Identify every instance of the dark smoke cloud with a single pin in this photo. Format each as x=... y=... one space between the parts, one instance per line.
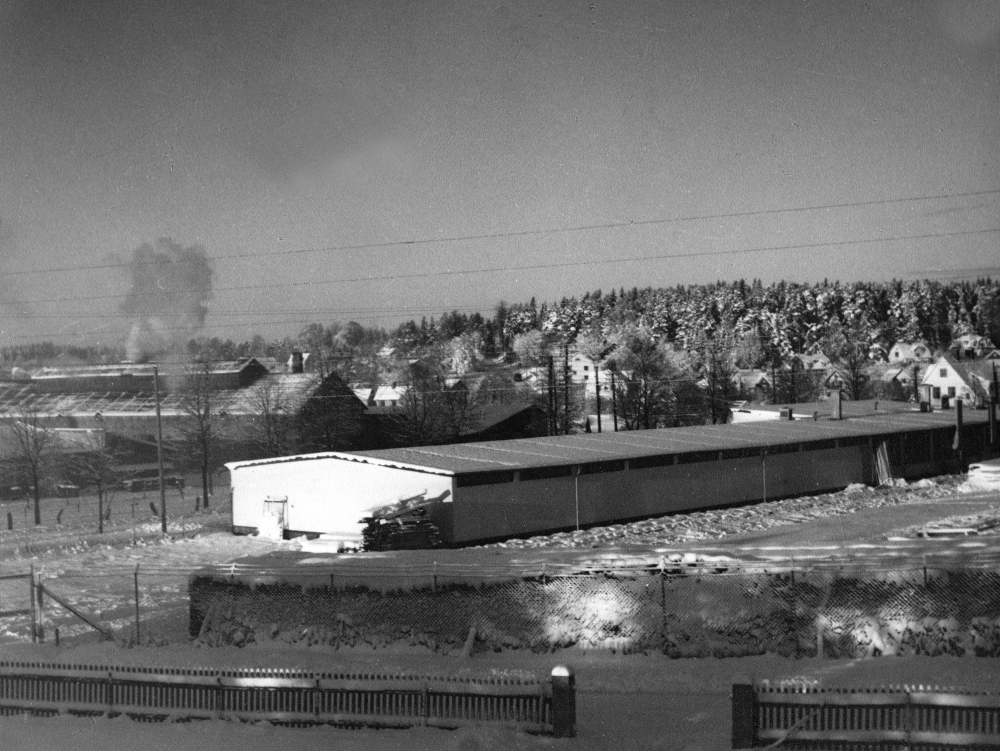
x=168 y=297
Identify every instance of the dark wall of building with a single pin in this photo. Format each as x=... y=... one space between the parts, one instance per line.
x=495 y=505
x=533 y=506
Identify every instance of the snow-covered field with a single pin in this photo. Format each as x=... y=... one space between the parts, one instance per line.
x=624 y=702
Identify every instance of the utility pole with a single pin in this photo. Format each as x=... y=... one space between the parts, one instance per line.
x=566 y=388
x=597 y=390
x=553 y=430
x=614 y=402
x=159 y=450
x=916 y=383
x=994 y=400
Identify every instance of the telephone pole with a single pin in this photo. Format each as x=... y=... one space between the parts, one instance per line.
x=159 y=449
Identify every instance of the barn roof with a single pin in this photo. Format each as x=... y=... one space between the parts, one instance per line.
x=589 y=448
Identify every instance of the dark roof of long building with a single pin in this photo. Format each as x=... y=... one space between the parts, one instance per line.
x=526 y=453
x=288 y=389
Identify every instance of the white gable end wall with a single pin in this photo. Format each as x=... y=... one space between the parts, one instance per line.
x=325 y=495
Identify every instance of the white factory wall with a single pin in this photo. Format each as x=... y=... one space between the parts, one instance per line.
x=325 y=495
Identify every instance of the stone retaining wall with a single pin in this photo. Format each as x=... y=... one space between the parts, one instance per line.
x=683 y=614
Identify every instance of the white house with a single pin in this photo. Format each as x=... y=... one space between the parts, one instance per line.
x=950 y=380
x=972 y=345
x=585 y=371
x=755 y=383
x=387 y=396
x=815 y=361
x=906 y=352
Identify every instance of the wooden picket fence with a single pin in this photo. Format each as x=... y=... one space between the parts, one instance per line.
x=292 y=697
x=795 y=715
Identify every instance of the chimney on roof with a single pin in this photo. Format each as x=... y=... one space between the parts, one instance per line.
x=298 y=363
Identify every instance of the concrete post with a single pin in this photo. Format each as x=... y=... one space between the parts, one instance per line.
x=958 y=434
x=993 y=401
x=744 y=716
x=563 y=702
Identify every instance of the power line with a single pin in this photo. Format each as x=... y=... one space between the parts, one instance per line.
x=524 y=233
x=372 y=314
x=633 y=259
x=568 y=264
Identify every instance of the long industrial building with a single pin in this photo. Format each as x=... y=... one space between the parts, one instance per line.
x=493 y=490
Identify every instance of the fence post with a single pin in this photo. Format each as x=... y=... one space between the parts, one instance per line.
x=137 y=604
x=744 y=716
x=663 y=605
x=34 y=605
x=40 y=600
x=563 y=702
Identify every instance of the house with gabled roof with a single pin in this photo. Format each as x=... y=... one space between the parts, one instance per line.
x=970 y=346
x=754 y=383
x=907 y=352
x=898 y=383
x=815 y=361
x=950 y=380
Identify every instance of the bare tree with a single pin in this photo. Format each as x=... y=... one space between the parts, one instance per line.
x=460 y=409
x=197 y=399
x=654 y=385
x=420 y=420
x=98 y=466
x=34 y=441
x=848 y=348
x=642 y=388
x=330 y=419
x=718 y=365
x=272 y=417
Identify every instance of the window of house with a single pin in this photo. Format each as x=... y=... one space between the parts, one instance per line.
x=951 y=391
x=937 y=392
x=586 y=367
x=944 y=372
x=586 y=378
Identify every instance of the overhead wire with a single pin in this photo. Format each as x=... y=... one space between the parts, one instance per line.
x=524 y=233
x=560 y=265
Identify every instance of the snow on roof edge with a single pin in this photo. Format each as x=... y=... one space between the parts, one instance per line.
x=340 y=455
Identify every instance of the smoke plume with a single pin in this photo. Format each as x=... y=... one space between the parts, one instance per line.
x=168 y=297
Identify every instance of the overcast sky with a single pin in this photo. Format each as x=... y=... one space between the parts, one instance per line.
x=563 y=146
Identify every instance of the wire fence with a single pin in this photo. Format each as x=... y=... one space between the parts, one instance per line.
x=128 y=606
x=684 y=610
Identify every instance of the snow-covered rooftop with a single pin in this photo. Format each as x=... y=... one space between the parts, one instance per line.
x=590 y=448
